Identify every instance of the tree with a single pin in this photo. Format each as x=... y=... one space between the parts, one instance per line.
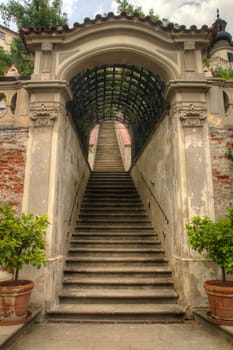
x=21 y=58
x=5 y=61
x=125 y=6
x=30 y=13
x=34 y=13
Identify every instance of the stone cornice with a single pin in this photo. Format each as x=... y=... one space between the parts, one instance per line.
x=35 y=86
x=113 y=17
x=174 y=86
x=65 y=35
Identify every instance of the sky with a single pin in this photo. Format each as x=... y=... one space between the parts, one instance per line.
x=186 y=12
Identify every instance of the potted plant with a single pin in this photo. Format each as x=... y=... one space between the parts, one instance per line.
x=22 y=241
x=215 y=240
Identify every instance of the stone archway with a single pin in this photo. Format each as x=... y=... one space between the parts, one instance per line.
x=166 y=173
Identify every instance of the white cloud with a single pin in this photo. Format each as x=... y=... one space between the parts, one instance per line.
x=114 y=6
x=189 y=12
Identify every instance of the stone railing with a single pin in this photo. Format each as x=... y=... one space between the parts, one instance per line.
x=14 y=101
x=219 y=61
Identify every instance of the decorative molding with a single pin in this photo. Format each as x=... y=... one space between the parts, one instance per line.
x=43 y=116
x=192 y=117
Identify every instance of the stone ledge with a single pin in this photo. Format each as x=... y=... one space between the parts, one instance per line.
x=200 y=315
x=9 y=333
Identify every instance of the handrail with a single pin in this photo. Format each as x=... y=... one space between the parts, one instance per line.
x=154 y=197
x=76 y=195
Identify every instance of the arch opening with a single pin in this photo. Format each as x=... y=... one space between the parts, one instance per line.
x=129 y=94
x=3 y=101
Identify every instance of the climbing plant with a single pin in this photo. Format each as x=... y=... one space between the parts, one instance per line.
x=221 y=72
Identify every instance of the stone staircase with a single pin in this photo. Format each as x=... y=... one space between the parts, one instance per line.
x=108 y=157
x=115 y=270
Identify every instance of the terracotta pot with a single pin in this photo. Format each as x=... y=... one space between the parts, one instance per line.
x=14 y=300
x=220 y=298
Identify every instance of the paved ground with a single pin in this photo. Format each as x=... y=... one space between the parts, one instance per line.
x=188 y=336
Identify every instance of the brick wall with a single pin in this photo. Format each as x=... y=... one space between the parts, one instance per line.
x=12 y=165
x=221 y=142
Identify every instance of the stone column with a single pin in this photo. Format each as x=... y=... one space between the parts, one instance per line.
x=193 y=191
x=47 y=112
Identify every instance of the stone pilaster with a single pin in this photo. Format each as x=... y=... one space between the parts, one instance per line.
x=194 y=184
x=47 y=113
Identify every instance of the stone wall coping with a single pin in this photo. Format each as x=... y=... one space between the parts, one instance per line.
x=174 y=85
x=51 y=85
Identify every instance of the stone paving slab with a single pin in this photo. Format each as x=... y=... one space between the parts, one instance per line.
x=10 y=332
x=190 y=335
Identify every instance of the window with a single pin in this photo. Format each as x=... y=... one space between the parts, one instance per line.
x=2 y=35
x=230 y=56
x=226 y=101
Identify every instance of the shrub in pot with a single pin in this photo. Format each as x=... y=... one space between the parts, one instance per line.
x=22 y=242
x=215 y=240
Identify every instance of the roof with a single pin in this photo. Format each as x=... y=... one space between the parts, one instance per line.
x=8 y=30
x=110 y=17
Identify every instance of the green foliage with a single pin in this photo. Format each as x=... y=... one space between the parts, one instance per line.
x=21 y=58
x=221 y=72
x=5 y=61
x=22 y=239
x=125 y=6
x=29 y=13
x=35 y=13
x=215 y=239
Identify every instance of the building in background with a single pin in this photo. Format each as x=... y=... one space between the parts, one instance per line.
x=6 y=37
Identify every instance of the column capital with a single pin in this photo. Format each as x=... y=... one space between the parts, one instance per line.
x=185 y=86
x=47 y=101
x=192 y=116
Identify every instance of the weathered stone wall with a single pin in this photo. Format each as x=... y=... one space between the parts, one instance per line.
x=153 y=174
x=63 y=172
x=13 y=144
x=221 y=145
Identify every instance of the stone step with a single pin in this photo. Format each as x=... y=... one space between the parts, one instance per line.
x=118 y=272
x=108 y=206
x=105 y=252
x=120 y=295
x=133 y=312
x=117 y=236
x=112 y=260
x=110 y=191
x=111 y=212
x=118 y=251
x=112 y=244
x=113 y=220
x=82 y=227
x=110 y=181
x=113 y=198
x=111 y=203
x=121 y=263
x=106 y=281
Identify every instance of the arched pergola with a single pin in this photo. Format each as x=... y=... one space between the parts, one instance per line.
x=129 y=94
